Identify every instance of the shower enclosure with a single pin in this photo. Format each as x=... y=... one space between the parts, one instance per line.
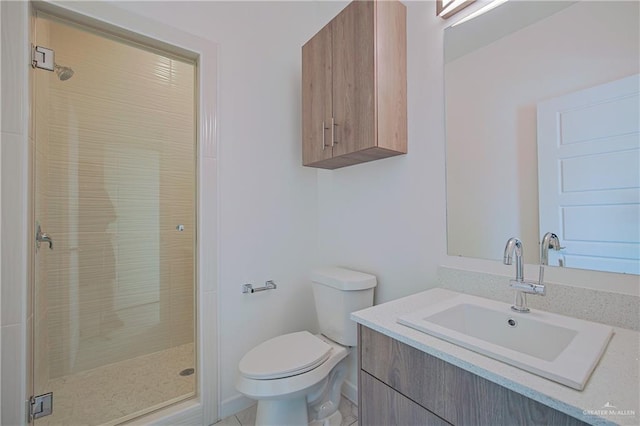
x=114 y=128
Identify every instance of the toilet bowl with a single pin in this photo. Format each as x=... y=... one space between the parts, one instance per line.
x=287 y=382
x=297 y=377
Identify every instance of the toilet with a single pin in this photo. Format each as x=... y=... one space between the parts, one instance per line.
x=297 y=377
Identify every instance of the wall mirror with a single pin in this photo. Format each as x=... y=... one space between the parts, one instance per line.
x=505 y=71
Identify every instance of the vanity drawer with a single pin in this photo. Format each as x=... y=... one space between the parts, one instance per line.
x=454 y=394
x=382 y=405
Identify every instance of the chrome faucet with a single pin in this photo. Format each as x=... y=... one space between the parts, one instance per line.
x=522 y=287
x=514 y=245
x=549 y=241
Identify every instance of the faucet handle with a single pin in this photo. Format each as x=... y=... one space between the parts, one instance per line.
x=528 y=287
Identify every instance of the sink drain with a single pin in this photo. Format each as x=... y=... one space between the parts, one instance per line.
x=187 y=372
x=512 y=322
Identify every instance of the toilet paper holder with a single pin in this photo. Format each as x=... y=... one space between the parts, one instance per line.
x=268 y=285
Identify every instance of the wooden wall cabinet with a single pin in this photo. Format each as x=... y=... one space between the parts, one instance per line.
x=354 y=87
x=401 y=385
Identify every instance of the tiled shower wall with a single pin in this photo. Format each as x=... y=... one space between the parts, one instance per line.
x=116 y=176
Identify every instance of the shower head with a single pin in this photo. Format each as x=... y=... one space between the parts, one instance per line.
x=64 y=73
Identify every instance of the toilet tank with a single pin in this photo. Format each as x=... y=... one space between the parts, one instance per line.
x=337 y=293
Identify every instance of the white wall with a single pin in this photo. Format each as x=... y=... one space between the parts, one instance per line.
x=16 y=137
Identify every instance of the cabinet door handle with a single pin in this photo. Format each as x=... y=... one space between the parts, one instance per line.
x=324 y=145
x=333 y=127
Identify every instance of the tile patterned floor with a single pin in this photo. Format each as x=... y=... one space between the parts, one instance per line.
x=248 y=417
x=115 y=392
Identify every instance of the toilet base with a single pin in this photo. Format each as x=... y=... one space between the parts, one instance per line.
x=290 y=412
x=278 y=412
x=333 y=420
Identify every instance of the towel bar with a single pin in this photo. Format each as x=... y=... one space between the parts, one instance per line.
x=269 y=285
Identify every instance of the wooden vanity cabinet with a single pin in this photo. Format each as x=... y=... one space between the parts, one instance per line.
x=354 y=87
x=401 y=385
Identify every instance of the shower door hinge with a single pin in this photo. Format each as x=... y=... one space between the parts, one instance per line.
x=41 y=405
x=42 y=57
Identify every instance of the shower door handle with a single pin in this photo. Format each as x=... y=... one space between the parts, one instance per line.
x=43 y=237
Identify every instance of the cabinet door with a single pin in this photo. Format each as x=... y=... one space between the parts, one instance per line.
x=354 y=78
x=316 y=97
x=381 y=405
x=450 y=392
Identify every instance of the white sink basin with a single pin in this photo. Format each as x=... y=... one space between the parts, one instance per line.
x=563 y=349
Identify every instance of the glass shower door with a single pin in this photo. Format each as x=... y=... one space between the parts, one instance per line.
x=114 y=195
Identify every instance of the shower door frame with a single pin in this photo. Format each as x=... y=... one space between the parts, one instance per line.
x=204 y=408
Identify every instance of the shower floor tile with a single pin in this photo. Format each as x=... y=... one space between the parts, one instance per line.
x=117 y=392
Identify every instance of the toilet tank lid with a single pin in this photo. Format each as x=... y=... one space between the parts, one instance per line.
x=343 y=279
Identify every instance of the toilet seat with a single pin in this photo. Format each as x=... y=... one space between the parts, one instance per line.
x=284 y=356
x=299 y=384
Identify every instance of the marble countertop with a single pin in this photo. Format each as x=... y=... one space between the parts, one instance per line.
x=612 y=393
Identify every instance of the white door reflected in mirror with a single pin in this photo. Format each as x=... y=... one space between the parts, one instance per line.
x=588 y=162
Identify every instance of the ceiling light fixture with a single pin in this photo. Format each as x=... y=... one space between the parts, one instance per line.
x=483 y=10
x=446 y=8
